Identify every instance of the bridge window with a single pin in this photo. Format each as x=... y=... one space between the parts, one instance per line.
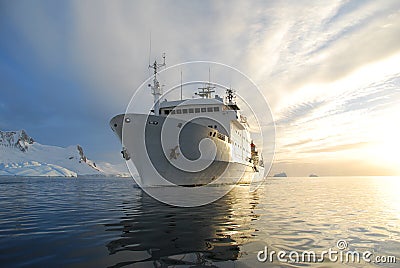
x=216 y=109
x=209 y=109
x=166 y=111
x=178 y=111
x=203 y=110
x=173 y=112
x=184 y=111
x=191 y=110
x=197 y=110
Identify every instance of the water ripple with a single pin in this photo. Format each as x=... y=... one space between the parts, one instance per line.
x=108 y=222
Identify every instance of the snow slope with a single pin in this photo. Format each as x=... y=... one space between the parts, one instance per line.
x=20 y=155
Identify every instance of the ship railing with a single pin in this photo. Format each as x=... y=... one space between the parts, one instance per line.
x=220 y=136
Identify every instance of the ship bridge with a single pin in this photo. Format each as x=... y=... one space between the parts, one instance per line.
x=207 y=111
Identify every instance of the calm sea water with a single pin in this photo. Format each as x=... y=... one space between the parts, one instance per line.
x=108 y=222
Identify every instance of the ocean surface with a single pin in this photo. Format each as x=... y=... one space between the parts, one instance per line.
x=109 y=222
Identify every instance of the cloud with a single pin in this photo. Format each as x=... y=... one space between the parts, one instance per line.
x=298 y=111
x=337 y=148
x=280 y=45
x=321 y=44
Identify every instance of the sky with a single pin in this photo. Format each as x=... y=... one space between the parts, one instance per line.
x=329 y=70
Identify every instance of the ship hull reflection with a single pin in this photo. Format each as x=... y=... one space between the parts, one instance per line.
x=160 y=235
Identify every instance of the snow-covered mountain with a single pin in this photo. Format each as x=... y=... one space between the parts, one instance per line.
x=20 y=155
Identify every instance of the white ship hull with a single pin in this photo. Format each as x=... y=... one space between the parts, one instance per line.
x=141 y=138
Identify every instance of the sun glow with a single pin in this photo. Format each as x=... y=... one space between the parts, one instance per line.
x=386 y=135
x=353 y=118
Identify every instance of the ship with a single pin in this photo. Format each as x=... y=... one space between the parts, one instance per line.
x=189 y=142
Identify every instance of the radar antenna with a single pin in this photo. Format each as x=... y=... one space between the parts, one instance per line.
x=230 y=96
x=156 y=89
x=230 y=99
x=205 y=92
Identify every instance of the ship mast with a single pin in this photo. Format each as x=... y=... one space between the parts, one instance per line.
x=156 y=89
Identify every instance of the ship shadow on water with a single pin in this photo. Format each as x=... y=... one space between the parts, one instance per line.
x=153 y=234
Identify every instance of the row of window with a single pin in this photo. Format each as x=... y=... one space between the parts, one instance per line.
x=192 y=110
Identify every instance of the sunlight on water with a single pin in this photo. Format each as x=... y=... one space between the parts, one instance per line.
x=390 y=200
x=107 y=222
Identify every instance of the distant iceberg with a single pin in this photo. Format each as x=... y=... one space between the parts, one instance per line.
x=21 y=155
x=34 y=168
x=282 y=174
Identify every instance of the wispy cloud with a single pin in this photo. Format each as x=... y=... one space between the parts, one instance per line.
x=298 y=111
x=336 y=148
